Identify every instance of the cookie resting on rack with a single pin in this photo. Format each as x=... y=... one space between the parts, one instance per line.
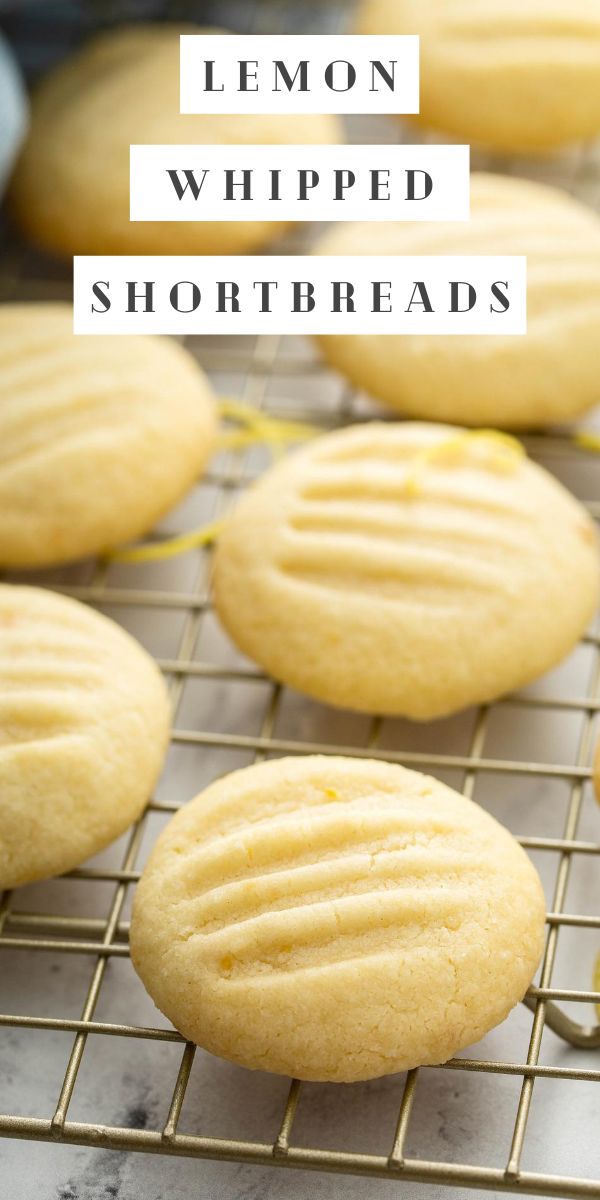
x=84 y=725
x=516 y=75
x=99 y=437
x=335 y=919
x=548 y=375
x=407 y=569
x=71 y=188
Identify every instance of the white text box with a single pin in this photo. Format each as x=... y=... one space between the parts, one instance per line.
x=299 y=183
x=321 y=73
x=300 y=295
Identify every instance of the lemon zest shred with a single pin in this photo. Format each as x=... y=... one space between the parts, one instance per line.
x=587 y=440
x=256 y=428
x=236 y=439
x=204 y=535
x=504 y=453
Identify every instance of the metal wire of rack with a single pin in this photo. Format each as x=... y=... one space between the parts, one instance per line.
x=526 y=758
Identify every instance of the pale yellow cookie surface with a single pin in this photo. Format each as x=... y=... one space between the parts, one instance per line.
x=369 y=579
x=335 y=919
x=84 y=722
x=99 y=437
x=516 y=75
x=71 y=189
x=548 y=375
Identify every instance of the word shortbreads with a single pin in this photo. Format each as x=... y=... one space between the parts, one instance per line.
x=300 y=295
x=299 y=74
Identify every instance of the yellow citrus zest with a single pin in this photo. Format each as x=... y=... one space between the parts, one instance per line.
x=254 y=428
x=501 y=453
x=587 y=440
x=258 y=429
x=204 y=535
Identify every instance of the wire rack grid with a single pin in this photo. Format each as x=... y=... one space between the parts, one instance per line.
x=526 y=758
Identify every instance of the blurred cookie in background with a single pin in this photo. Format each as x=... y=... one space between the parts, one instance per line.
x=71 y=189
x=515 y=75
x=548 y=376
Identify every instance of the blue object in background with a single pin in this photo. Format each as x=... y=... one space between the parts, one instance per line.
x=13 y=112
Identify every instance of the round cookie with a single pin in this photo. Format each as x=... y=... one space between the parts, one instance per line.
x=514 y=76
x=335 y=919
x=99 y=437
x=71 y=189
x=404 y=569
x=548 y=375
x=84 y=723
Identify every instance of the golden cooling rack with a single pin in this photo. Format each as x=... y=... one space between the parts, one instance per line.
x=526 y=758
x=253 y=730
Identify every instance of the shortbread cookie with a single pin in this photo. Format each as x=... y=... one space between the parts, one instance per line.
x=84 y=722
x=335 y=919
x=549 y=375
x=71 y=190
x=99 y=437
x=403 y=569
x=515 y=75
